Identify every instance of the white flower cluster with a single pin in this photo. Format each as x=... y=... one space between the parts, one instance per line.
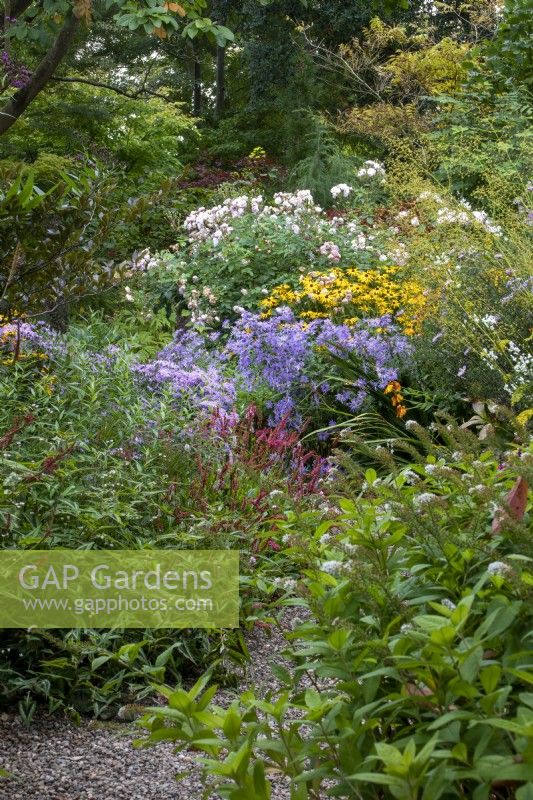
x=142 y=262
x=341 y=188
x=332 y=567
x=449 y=216
x=490 y=321
x=400 y=255
x=287 y=584
x=424 y=499
x=350 y=548
x=205 y=223
x=521 y=363
x=292 y=202
x=522 y=367
x=499 y=568
x=430 y=196
x=447 y=603
x=413 y=220
x=196 y=301
x=214 y=223
x=483 y=219
x=370 y=169
x=410 y=477
x=360 y=242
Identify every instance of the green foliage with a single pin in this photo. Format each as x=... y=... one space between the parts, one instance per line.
x=52 y=243
x=326 y=165
x=474 y=269
x=392 y=71
x=508 y=57
x=212 y=282
x=434 y=69
x=95 y=672
x=89 y=458
x=207 y=274
x=232 y=138
x=146 y=137
x=139 y=147
x=482 y=147
x=411 y=679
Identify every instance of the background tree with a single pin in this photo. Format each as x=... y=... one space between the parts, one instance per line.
x=55 y=30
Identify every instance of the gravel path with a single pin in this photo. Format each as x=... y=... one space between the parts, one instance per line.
x=57 y=760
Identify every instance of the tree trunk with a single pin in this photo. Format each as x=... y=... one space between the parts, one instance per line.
x=16 y=106
x=221 y=82
x=196 y=83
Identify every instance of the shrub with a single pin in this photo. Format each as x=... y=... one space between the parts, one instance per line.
x=238 y=248
x=411 y=679
x=52 y=243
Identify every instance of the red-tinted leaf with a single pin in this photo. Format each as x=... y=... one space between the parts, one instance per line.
x=516 y=502
x=517 y=499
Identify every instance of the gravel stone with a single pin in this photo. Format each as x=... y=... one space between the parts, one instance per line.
x=54 y=759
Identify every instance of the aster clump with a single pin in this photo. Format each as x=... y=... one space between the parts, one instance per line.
x=283 y=359
x=192 y=373
x=291 y=357
x=23 y=340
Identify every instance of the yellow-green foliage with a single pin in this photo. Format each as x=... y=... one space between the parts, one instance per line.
x=477 y=272
x=437 y=69
x=398 y=67
x=384 y=122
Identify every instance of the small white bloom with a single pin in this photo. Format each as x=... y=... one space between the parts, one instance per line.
x=424 y=499
x=332 y=567
x=447 y=603
x=499 y=568
x=350 y=548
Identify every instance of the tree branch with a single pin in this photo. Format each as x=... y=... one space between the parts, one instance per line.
x=19 y=102
x=102 y=85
